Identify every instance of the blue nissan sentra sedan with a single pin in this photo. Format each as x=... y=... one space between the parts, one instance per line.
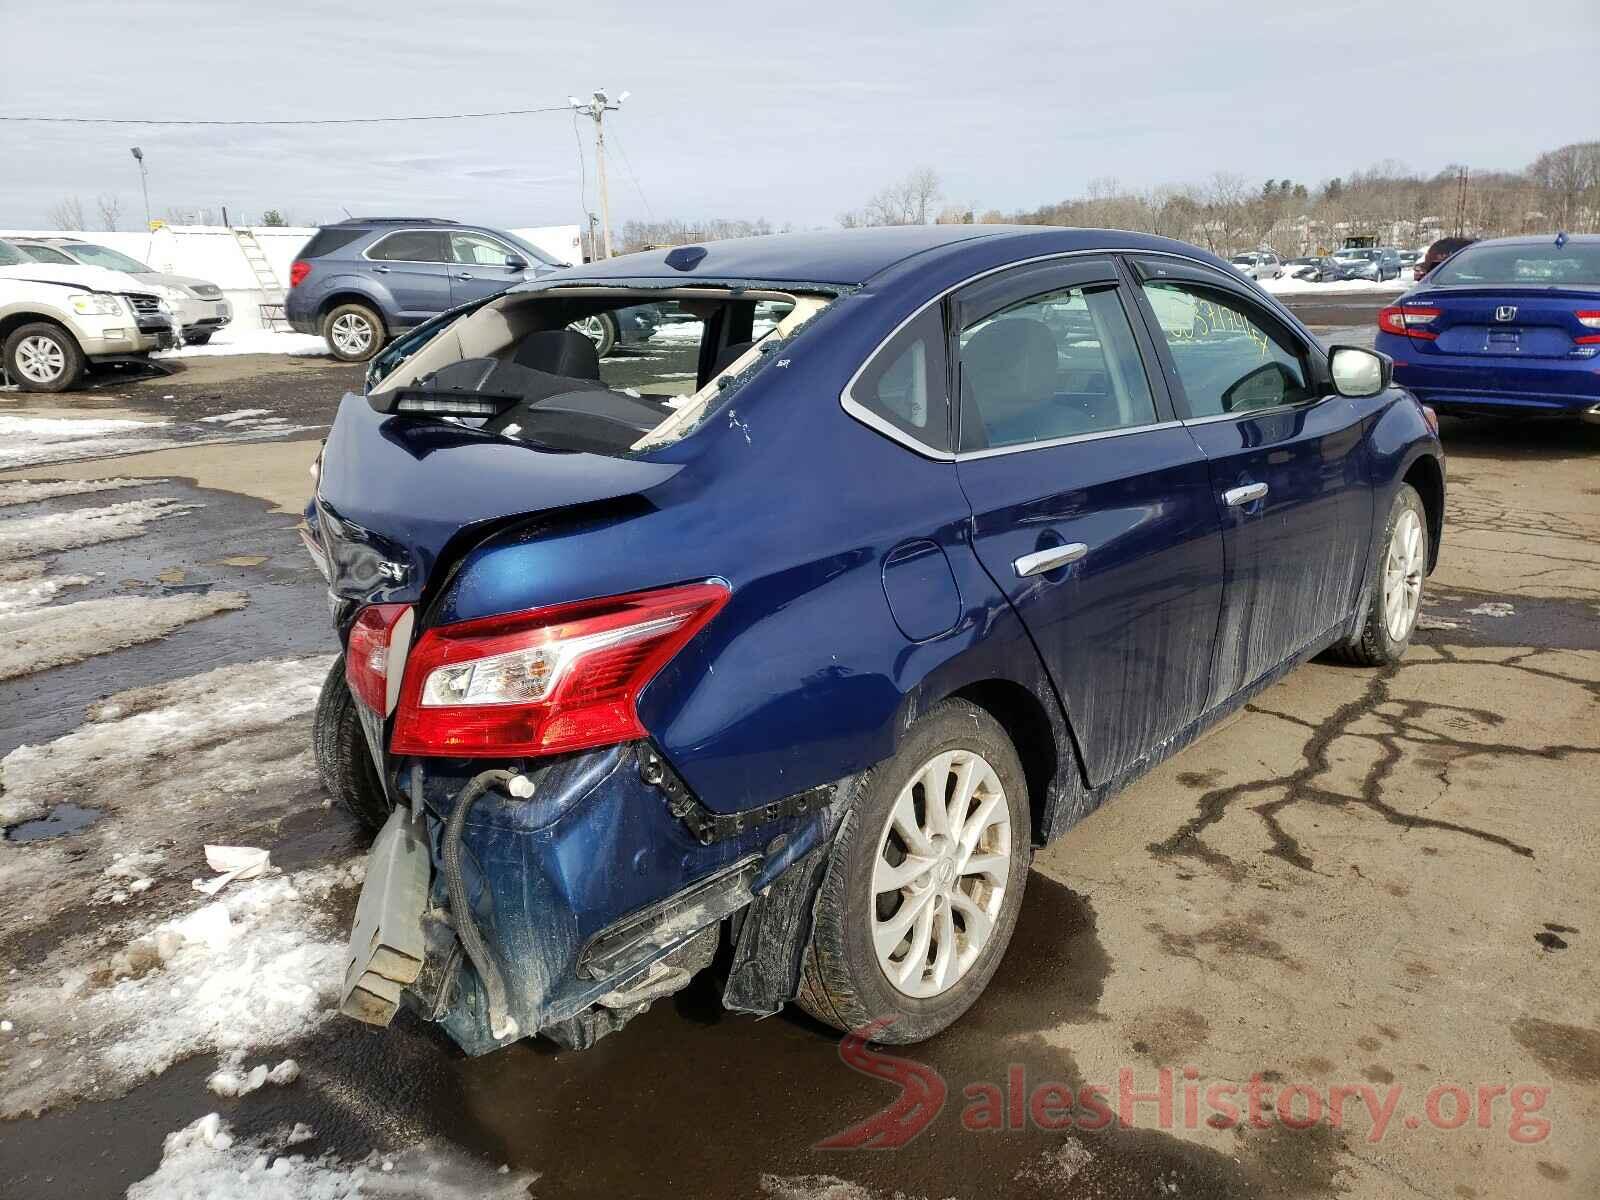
x=963 y=530
x=1507 y=327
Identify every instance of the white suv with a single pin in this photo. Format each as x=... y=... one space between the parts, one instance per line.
x=54 y=321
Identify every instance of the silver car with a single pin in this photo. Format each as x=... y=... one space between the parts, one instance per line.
x=197 y=305
x=1263 y=264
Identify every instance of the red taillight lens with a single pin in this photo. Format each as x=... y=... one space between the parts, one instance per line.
x=1406 y=319
x=298 y=270
x=566 y=677
x=367 y=657
x=1591 y=318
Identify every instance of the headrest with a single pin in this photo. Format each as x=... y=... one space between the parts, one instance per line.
x=559 y=352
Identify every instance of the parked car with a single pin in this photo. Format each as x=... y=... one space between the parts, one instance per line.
x=198 y=306
x=806 y=667
x=1508 y=326
x=55 y=321
x=1318 y=269
x=1410 y=258
x=360 y=282
x=1437 y=253
x=1377 y=263
x=1261 y=265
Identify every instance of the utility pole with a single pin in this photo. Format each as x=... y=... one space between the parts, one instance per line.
x=596 y=110
x=144 y=184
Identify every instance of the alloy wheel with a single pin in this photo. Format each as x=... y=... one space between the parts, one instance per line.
x=1402 y=575
x=351 y=334
x=41 y=359
x=940 y=874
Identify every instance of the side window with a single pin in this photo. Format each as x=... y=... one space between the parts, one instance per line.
x=903 y=385
x=1056 y=365
x=411 y=245
x=1227 y=360
x=475 y=250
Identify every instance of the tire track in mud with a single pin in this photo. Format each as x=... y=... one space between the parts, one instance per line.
x=1404 y=729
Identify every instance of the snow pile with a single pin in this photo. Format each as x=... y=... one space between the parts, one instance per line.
x=29 y=491
x=202 y=1161
x=253 y=341
x=17 y=595
x=52 y=532
x=257 y=969
x=1335 y=286
x=204 y=737
x=678 y=333
x=230 y=1081
x=32 y=441
x=35 y=639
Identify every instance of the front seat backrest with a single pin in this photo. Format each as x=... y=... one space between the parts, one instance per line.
x=558 y=352
x=1010 y=367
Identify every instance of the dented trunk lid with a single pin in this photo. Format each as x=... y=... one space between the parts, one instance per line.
x=393 y=492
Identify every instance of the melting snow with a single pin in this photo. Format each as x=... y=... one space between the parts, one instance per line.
x=203 y=1161
x=253 y=341
x=1493 y=608
x=32 y=441
x=23 y=536
x=26 y=491
x=31 y=593
x=35 y=639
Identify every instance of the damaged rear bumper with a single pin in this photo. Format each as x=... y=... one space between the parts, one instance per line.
x=606 y=888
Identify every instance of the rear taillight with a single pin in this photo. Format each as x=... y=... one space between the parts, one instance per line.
x=1408 y=320
x=374 y=656
x=1591 y=318
x=298 y=270
x=566 y=677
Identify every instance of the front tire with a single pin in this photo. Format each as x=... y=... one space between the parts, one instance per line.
x=1399 y=567
x=601 y=329
x=343 y=761
x=924 y=881
x=354 y=332
x=43 y=357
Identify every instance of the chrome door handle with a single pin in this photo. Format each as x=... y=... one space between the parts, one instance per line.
x=1049 y=560
x=464 y=275
x=380 y=270
x=1248 y=494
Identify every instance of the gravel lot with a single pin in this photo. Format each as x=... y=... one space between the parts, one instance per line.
x=1382 y=880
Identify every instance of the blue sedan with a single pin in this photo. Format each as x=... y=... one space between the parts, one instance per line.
x=1507 y=327
x=798 y=667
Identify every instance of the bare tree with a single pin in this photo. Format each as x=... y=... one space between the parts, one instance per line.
x=110 y=207
x=908 y=202
x=67 y=213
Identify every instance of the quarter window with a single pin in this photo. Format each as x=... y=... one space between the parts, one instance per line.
x=411 y=245
x=903 y=385
x=1057 y=365
x=1227 y=361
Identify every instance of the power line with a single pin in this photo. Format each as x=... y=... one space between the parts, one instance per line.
x=623 y=151
x=472 y=116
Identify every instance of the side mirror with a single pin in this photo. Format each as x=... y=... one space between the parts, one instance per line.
x=514 y=263
x=1358 y=372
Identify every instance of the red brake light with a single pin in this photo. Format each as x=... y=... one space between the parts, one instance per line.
x=1591 y=318
x=368 y=658
x=1405 y=320
x=566 y=677
x=298 y=270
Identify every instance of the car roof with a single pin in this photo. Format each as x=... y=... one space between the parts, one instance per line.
x=1543 y=239
x=848 y=257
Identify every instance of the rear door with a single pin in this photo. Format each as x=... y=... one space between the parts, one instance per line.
x=413 y=265
x=1288 y=469
x=478 y=266
x=1092 y=507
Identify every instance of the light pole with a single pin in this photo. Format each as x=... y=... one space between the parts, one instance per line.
x=596 y=110
x=144 y=184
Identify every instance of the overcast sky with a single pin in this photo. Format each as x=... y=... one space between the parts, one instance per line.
x=792 y=112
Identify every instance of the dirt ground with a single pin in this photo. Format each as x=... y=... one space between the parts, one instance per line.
x=1367 y=880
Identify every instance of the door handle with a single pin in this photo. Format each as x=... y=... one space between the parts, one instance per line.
x=1050 y=559
x=380 y=270
x=1247 y=494
x=465 y=275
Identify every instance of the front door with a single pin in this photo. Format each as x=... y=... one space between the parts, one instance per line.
x=1091 y=505
x=478 y=266
x=412 y=264
x=1287 y=466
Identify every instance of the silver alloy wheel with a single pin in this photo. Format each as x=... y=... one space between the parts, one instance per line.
x=592 y=328
x=41 y=358
x=1402 y=575
x=940 y=874
x=351 y=334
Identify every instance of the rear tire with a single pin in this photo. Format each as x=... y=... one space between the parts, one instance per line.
x=43 y=357
x=601 y=329
x=846 y=977
x=199 y=339
x=343 y=761
x=1397 y=571
x=354 y=332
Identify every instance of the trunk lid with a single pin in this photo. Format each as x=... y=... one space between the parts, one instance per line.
x=393 y=492
x=1507 y=322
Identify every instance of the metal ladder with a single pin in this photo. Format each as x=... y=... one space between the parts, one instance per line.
x=272 y=316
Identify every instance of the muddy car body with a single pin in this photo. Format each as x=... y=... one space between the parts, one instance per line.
x=961 y=526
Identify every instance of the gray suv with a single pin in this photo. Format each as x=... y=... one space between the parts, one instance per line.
x=360 y=282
